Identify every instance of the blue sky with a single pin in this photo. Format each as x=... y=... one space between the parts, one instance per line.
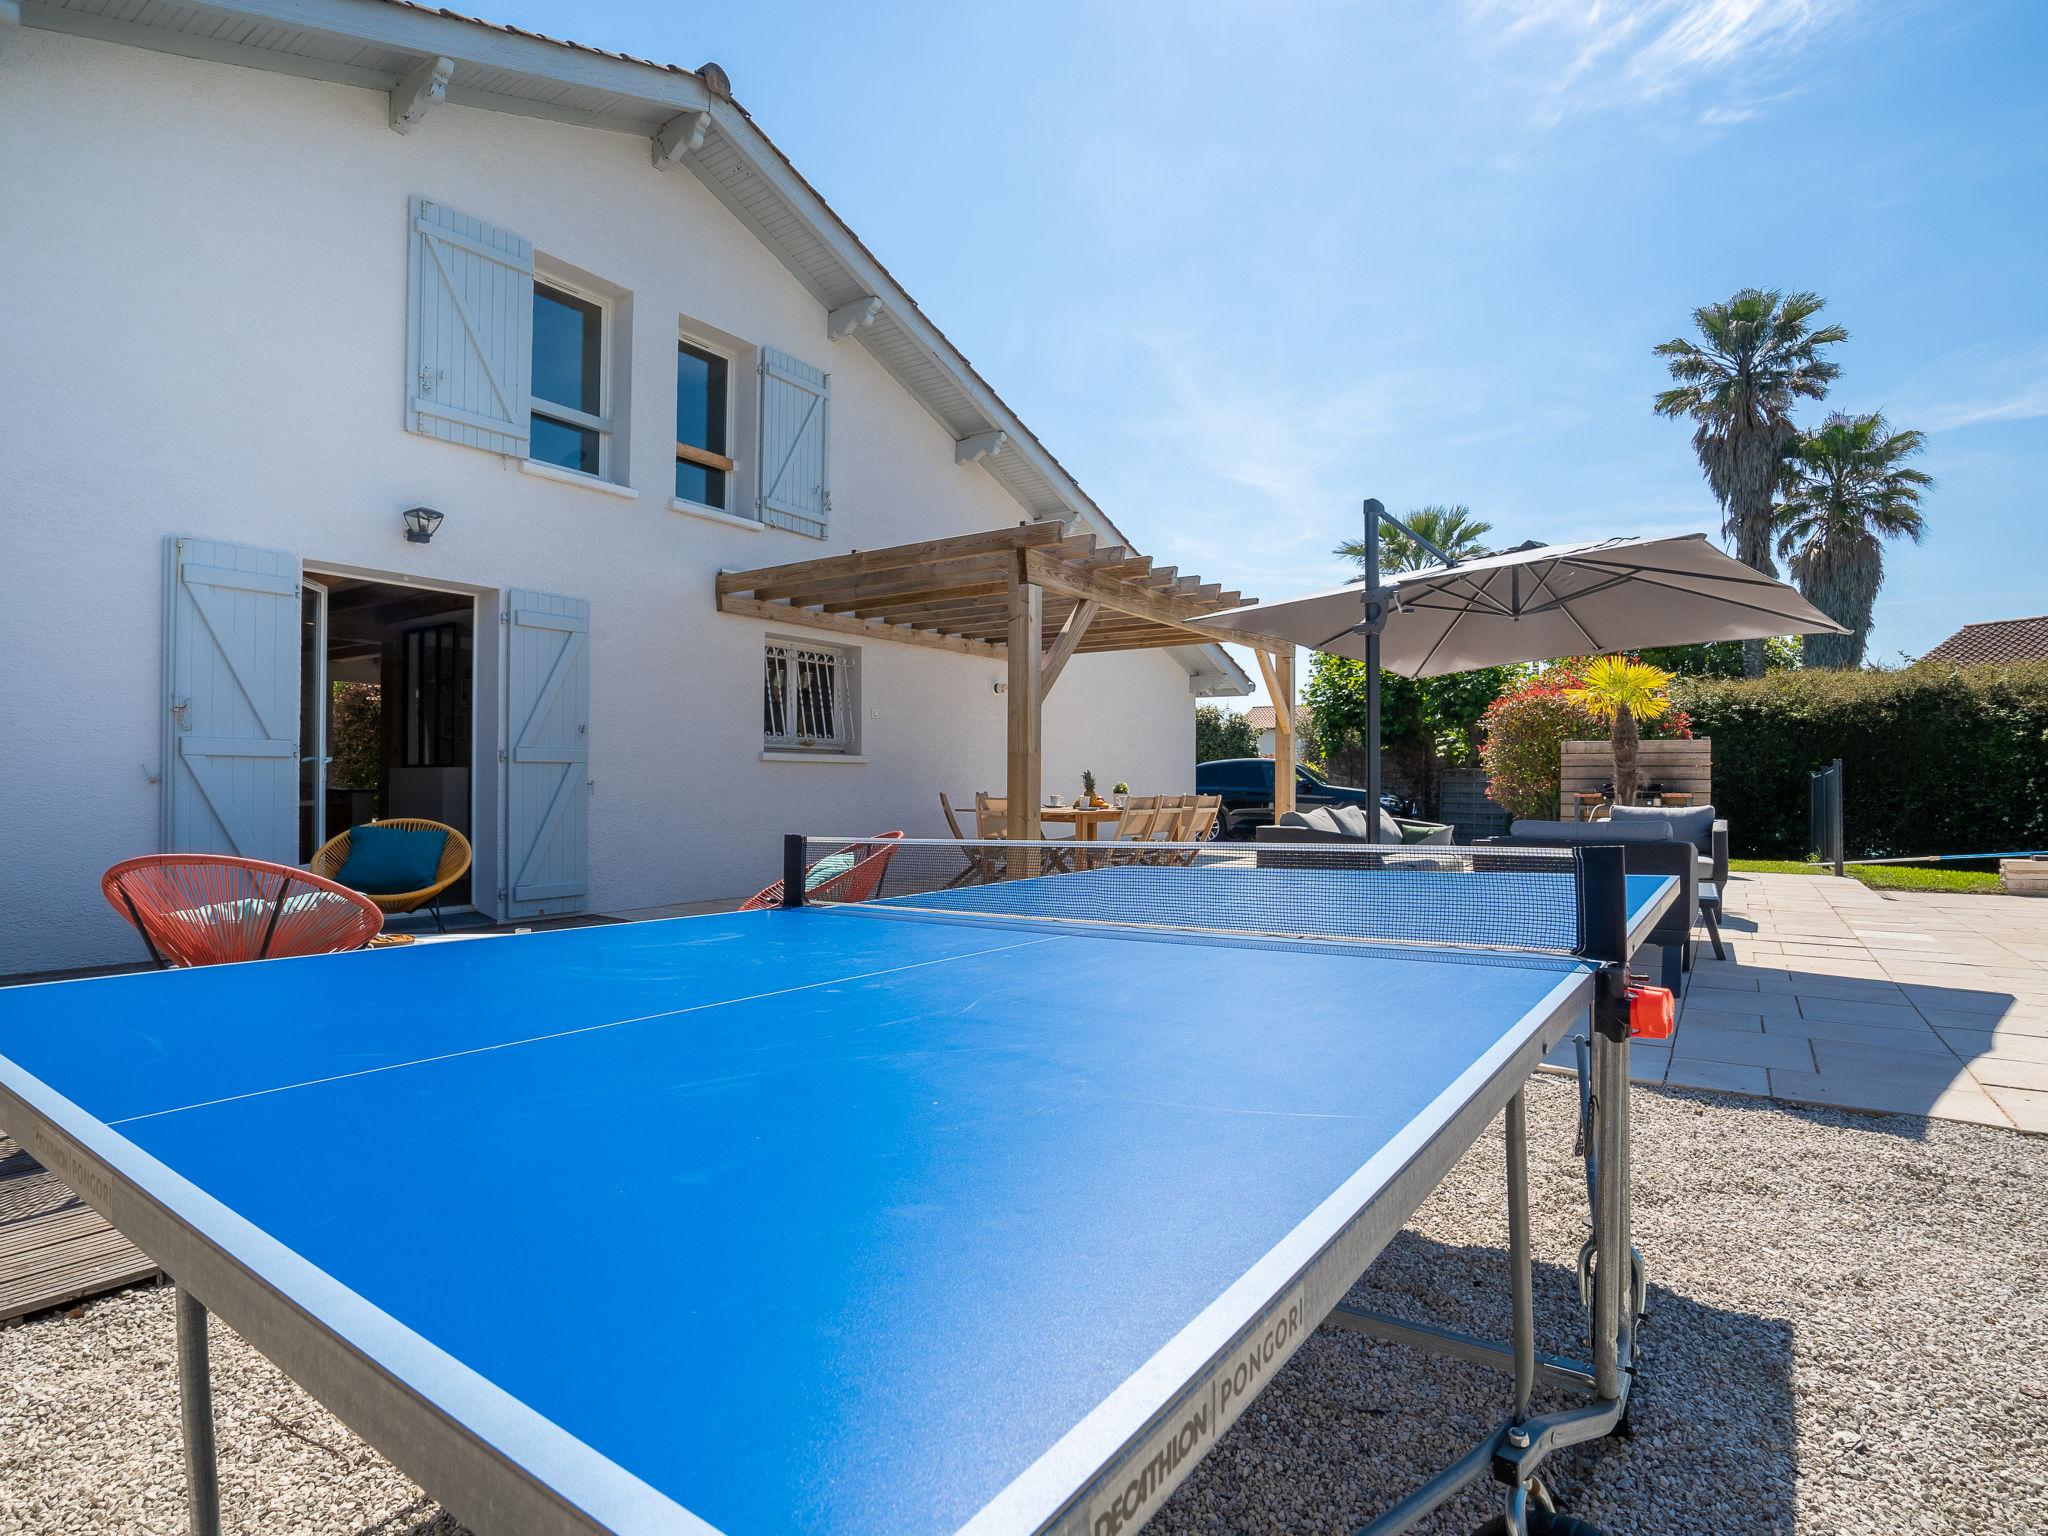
x=1241 y=265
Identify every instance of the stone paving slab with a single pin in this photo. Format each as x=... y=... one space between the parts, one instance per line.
x=1886 y=1001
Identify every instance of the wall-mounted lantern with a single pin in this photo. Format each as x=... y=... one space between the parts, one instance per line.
x=420 y=523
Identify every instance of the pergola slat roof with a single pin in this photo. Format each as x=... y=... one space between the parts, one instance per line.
x=1033 y=596
x=956 y=593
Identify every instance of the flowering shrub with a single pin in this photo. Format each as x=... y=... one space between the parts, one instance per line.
x=1522 y=734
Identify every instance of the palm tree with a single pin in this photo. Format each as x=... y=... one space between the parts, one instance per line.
x=1755 y=357
x=1846 y=489
x=1453 y=530
x=1622 y=690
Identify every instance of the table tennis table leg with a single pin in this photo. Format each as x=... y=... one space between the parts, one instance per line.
x=195 y=1412
x=1611 y=1286
x=1521 y=1284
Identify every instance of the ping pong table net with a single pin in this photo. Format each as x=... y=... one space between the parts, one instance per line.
x=1508 y=899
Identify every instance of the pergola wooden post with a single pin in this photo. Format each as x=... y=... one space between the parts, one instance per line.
x=1027 y=710
x=1277 y=667
x=1034 y=597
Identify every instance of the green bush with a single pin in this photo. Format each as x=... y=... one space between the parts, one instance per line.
x=1936 y=759
x=1222 y=732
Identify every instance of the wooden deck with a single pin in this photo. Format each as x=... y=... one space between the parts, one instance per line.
x=54 y=1248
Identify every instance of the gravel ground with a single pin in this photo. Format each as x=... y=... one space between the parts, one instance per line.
x=1848 y=1333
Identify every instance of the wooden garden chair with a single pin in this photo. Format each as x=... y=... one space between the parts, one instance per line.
x=982 y=866
x=212 y=909
x=992 y=824
x=455 y=858
x=1197 y=825
x=1143 y=816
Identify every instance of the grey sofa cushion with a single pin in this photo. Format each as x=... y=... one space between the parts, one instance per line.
x=1631 y=831
x=1390 y=829
x=1317 y=820
x=1353 y=820
x=1689 y=823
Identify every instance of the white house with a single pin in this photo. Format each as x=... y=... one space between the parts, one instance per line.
x=278 y=271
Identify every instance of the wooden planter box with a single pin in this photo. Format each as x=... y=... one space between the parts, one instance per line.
x=1685 y=766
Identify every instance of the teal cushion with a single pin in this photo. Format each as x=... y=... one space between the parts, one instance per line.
x=831 y=867
x=383 y=861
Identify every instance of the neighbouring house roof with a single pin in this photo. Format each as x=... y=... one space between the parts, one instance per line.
x=692 y=121
x=1994 y=642
x=1261 y=717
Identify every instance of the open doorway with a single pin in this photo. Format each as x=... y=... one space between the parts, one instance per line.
x=388 y=686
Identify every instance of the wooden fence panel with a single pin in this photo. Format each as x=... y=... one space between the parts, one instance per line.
x=1686 y=766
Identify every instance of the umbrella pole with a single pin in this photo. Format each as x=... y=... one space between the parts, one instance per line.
x=1373 y=613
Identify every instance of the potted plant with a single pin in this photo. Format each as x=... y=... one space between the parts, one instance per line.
x=1622 y=690
x=1122 y=792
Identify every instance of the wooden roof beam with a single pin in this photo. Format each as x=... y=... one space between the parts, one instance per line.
x=1123 y=598
x=841 y=624
x=1061 y=651
x=867 y=602
x=896 y=557
x=886 y=584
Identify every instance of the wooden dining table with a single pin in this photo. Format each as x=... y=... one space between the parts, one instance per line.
x=1084 y=819
x=1087 y=822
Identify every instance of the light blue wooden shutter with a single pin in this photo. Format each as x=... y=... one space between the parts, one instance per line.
x=231 y=700
x=547 y=781
x=795 y=401
x=469 y=331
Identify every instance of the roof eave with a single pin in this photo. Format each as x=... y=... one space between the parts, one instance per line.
x=642 y=96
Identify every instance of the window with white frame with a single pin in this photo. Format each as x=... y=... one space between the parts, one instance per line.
x=571 y=364
x=810 y=697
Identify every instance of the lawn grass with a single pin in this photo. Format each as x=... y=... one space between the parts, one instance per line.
x=1881 y=877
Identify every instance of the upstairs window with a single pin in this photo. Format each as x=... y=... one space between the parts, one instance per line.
x=571 y=424
x=703 y=385
x=808 y=698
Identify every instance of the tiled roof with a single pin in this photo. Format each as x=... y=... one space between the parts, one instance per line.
x=1994 y=642
x=1261 y=717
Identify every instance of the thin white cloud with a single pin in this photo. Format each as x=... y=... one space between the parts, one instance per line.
x=2028 y=403
x=1599 y=54
x=1974 y=386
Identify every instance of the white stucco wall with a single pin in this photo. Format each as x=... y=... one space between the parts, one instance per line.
x=202 y=315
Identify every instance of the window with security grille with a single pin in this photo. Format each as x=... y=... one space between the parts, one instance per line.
x=808 y=698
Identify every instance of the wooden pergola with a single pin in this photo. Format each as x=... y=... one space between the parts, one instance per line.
x=1035 y=597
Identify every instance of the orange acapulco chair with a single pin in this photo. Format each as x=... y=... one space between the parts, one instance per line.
x=455 y=857
x=855 y=883
x=212 y=909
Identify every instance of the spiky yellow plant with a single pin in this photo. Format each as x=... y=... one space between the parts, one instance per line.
x=1622 y=690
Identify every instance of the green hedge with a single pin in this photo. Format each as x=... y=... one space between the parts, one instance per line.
x=1936 y=759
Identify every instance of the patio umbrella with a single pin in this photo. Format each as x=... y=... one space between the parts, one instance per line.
x=1530 y=604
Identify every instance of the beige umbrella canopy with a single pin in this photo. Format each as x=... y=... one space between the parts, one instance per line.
x=1550 y=600
x=1528 y=604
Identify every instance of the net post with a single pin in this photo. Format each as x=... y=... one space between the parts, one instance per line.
x=793 y=869
x=1603 y=907
x=1603 y=903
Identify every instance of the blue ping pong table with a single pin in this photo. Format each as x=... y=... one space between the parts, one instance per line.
x=984 y=1209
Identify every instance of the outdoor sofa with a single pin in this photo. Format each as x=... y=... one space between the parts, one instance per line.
x=1649 y=848
x=1347 y=824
